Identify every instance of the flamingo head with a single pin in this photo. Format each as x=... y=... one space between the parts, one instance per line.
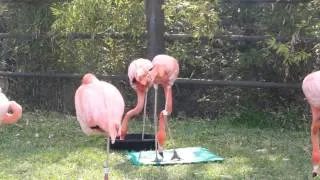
x=157 y=73
x=88 y=78
x=143 y=77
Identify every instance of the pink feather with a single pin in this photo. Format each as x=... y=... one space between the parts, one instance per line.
x=138 y=69
x=99 y=104
x=5 y=106
x=311 y=88
x=170 y=64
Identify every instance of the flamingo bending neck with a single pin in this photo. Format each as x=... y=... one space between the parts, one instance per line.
x=16 y=113
x=133 y=112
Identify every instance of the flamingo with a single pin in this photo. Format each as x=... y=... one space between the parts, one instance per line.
x=164 y=72
x=5 y=107
x=140 y=82
x=311 y=90
x=99 y=109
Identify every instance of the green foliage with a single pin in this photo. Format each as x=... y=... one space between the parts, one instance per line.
x=199 y=18
x=98 y=17
x=223 y=59
x=273 y=60
x=23 y=55
x=289 y=56
x=191 y=17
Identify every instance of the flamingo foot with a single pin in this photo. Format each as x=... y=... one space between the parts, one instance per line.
x=161 y=154
x=175 y=156
x=314 y=174
x=315 y=170
x=160 y=150
x=157 y=160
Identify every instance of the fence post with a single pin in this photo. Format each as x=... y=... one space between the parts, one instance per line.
x=155 y=27
x=155 y=41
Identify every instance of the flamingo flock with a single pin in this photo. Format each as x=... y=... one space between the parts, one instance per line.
x=100 y=106
x=163 y=70
x=143 y=74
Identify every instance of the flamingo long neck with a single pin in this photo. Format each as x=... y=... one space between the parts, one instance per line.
x=16 y=113
x=133 y=112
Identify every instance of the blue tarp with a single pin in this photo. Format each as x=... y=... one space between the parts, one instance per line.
x=187 y=155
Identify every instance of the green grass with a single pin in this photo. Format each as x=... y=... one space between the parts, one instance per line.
x=52 y=146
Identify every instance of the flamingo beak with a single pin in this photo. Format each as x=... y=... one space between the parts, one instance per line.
x=118 y=131
x=315 y=170
x=144 y=81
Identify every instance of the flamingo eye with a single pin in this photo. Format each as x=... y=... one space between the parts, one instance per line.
x=134 y=80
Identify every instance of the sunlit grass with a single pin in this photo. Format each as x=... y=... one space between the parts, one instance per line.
x=52 y=146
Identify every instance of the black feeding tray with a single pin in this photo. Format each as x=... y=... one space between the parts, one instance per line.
x=134 y=142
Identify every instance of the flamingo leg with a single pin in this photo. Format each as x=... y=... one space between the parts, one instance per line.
x=315 y=125
x=168 y=93
x=168 y=105
x=168 y=109
x=106 y=168
x=144 y=113
x=155 y=119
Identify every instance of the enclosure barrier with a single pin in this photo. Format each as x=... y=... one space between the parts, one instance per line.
x=240 y=1
x=190 y=81
x=167 y=37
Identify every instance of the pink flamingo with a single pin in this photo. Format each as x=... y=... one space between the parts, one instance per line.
x=164 y=72
x=140 y=82
x=311 y=90
x=5 y=107
x=99 y=109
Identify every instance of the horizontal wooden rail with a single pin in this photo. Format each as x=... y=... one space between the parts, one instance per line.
x=249 y=84
x=204 y=82
x=190 y=37
x=225 y=1
x=168 y=37
x=59 y=75
x=269 y=1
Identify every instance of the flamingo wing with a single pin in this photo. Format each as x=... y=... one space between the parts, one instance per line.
x=311 y=88
x=171 y=66
x=99 y=108
x=4 y=104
